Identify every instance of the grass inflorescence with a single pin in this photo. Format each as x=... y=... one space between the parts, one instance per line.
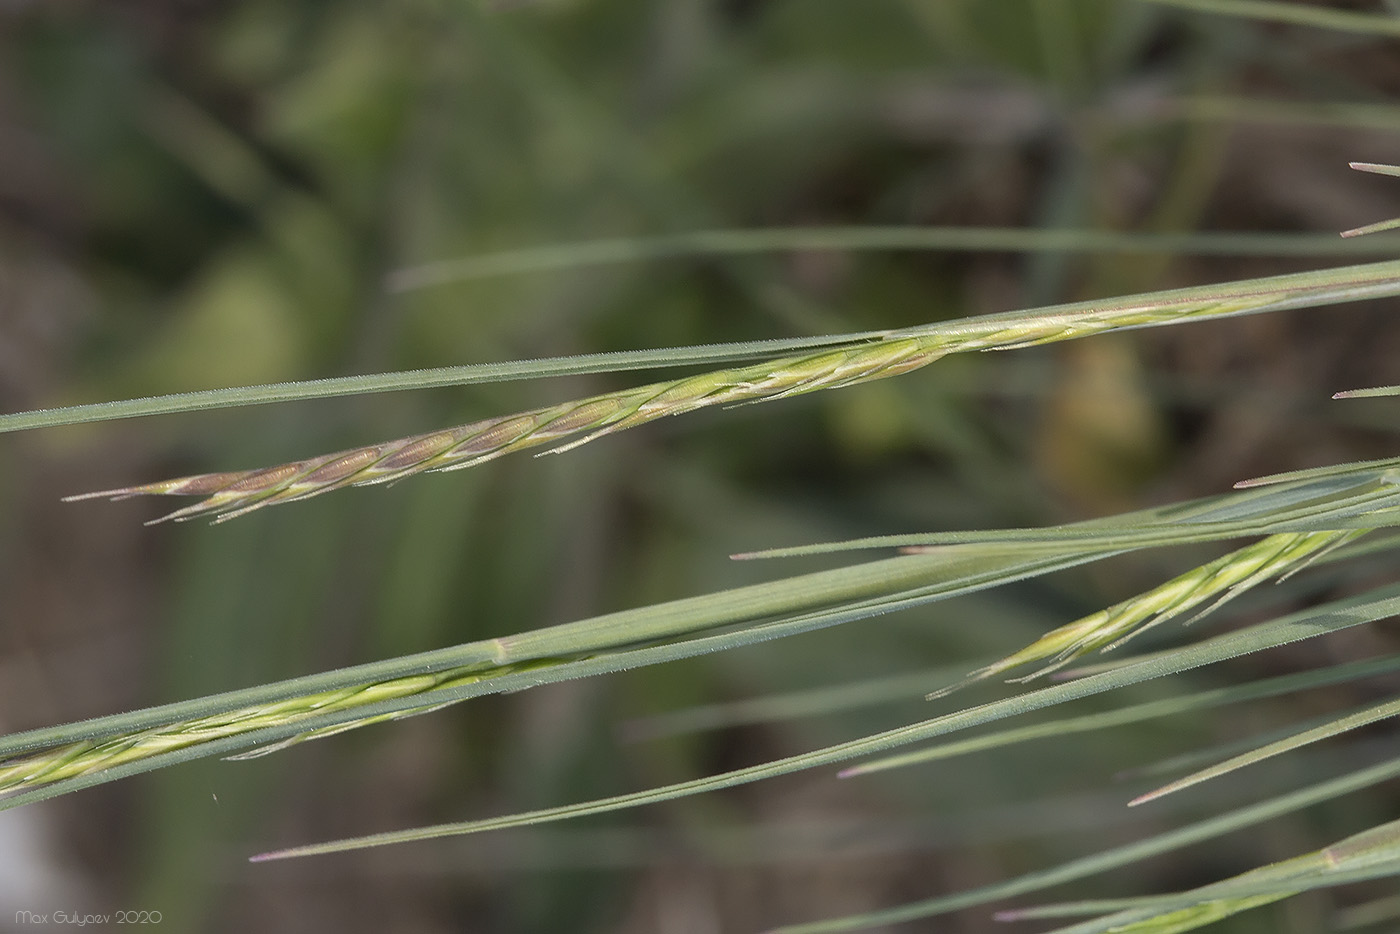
x=569 y=424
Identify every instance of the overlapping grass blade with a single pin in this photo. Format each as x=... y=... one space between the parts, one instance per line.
x=706 y=243
x=787 y=706
x=1298 y=14
x=1340 y=725
x=1199 y=700
x=1197 y=757
x=1366 y=914
x=1360 y=495
x=1320 y=114
x=1306 y=624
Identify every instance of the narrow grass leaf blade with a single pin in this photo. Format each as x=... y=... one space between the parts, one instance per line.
x=1328 y=730
x=1298 y=14
x=787 y=706
x=1376 y=168
x=1373 y=393
x=1200 y=700
x=708 y=243
x=1204 y=756
x=334 y=387
x=1345 y=496
x=1377 y=227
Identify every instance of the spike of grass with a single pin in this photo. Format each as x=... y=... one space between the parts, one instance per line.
x=86 y=757
x=570 y=424
x=566 y=426
x=1218 y=581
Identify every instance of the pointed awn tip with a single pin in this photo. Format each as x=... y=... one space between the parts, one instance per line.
x=113 y=495
x=272 y=855
x=1150 y=796
x=1368 y=393
x=1375 y=168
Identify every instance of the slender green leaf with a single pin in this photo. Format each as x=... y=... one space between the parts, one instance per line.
x=1200 y=700
x=1376 y=168
x=611 y=362
x=1326 y=498
x=1197 y=757
x=1336 y=727
x=787 y=706
x=1373 y=393
x=703 y=243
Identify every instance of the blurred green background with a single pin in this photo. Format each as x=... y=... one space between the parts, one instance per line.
x=198 y=193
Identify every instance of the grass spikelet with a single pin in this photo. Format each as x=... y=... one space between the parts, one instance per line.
x=1205 y=587
x=566 y=425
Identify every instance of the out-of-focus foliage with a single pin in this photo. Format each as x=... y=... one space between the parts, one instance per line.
x=202 y=194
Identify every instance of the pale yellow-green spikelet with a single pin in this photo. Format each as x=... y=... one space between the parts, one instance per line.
x=75 y=759
x=1201 y=589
